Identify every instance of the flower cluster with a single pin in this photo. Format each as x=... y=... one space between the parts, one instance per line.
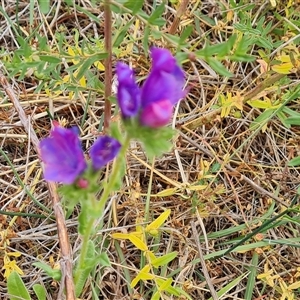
x=63 y=156
x=153 y=103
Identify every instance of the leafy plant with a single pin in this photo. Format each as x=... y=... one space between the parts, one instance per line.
x=148 y=272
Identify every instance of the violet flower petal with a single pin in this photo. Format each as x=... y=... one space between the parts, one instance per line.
x=128 y=93
x=157 y=114
x=103 y=151
x=165 y=80
x=62 y=156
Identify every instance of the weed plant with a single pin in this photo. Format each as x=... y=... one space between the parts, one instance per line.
x=214 y=216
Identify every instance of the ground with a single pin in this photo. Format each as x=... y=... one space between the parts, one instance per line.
x=230 y=179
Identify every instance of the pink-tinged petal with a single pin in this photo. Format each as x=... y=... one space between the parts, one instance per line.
x=157 y=114
x=103 y=151
x=165 y=81
x=62 y=156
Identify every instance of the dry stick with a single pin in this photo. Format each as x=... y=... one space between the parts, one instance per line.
x=66 y=261
x=107 y=63
x=255 y=186
x=202 y=261
x=181 y=10
x=210 y=116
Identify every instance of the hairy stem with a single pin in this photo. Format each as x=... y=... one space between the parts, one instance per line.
x=107 y=63
x=114 y=175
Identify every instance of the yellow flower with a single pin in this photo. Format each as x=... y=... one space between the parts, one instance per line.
x=10 y=266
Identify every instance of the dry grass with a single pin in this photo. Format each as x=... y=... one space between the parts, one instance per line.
x=249 y=179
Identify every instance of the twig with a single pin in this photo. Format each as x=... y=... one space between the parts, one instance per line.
x=181 y=10
x=255 y=186
x=107 y=63
x=202 y=261
x=210 y=116
x=66 y=262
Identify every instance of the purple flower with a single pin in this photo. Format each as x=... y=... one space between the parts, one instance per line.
x=104 y=150
x=62 y=155
x=128 y=93
x=157 y=114
x=165 y=81
x=162 y=89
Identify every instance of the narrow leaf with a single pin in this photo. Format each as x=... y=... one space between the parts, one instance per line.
x=261 y=120
x=230 y=286
x=53 y=273
x=50 y=59
x=164 y=260
x=295 y=162
x=166 y=192
x=159 y=221
x=293 y=121
x=218 y=67
x=252 y=277
x=103 y=260
x=125 y=236
x=157 y=13
x=134 y=6
x=138 y=242
x=142 y=275
x=284 y=68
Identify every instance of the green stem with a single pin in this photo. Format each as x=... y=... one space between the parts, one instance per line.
x=114 y=176
x=83 y=252
x=99 y=207
x=107 y=63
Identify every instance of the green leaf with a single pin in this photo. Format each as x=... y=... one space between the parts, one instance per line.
x=103 y=259
x=156 y=141
x=83 y=220
x=44 y=6
x=120 y=35
x=89 y=62
x=186 y=33
x=291 y=112
x=242 y=57
x=134 y=5
x=264 y=43
x=174 y=38
x=261 y=120
x=293 y=121
x=50 y=59
x=240 y=27
x=223 y=291
x=164 y=260
x=89 y=265
x=39 y=291
x=53 y=273
x=218 y=67
x=169 y=288
x=282 y=117
x=25 y=48
x=86 y=12
x=156 y=14
x=243 y=45
x=16 y=287
x=295 y=162
x=146 y=34
x=252 y=277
